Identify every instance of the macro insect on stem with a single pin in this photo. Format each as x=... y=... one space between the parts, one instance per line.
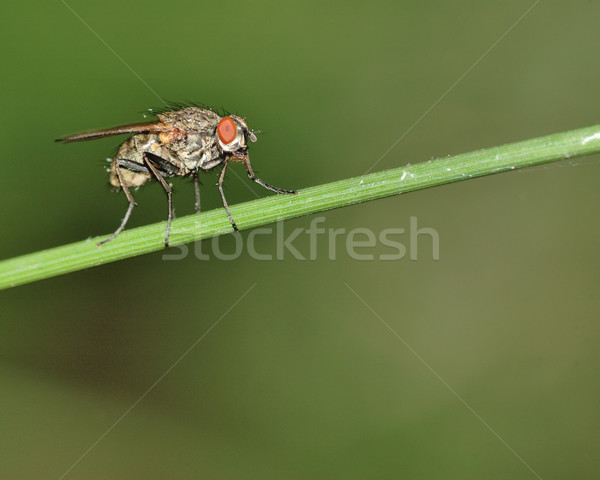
x=180 y=143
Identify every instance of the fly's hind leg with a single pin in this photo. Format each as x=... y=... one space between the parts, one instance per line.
x=253 y=177
x=150 y=159
x=132 y=203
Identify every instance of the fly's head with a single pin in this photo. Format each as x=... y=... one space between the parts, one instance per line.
x=233 y=135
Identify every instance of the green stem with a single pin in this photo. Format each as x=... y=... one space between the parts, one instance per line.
x=137 y=241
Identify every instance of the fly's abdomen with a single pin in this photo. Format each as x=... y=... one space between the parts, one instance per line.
x=129 y=160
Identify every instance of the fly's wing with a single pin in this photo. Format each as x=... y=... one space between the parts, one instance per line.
x=133 y=128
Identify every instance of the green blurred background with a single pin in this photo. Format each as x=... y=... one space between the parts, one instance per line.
x=300 y=379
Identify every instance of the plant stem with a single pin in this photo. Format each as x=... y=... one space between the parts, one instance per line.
x=137 y=241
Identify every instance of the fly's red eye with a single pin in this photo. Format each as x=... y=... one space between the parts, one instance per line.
x=227 y=130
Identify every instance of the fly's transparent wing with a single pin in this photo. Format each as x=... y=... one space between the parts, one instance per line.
x=107 y=132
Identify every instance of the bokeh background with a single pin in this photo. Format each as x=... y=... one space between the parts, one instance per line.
x=300 y=379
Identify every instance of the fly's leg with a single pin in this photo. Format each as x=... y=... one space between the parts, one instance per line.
x=149 y=158
x=196 y=192
x=253 y=177
x=132 y=204
x=225 y=204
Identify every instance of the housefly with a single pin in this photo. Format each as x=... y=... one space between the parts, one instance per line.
x=179 y=143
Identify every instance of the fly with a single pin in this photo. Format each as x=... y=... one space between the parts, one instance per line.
x=180 y=143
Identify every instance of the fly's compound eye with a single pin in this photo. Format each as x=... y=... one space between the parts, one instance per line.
x=227 y=130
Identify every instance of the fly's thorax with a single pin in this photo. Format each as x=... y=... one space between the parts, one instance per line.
x=199 y=152
x=191 y=119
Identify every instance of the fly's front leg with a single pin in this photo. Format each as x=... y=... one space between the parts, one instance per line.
x=225 y=204
x=149 y=159
x=253 y=177
x=196 y=192
x=132 y=203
